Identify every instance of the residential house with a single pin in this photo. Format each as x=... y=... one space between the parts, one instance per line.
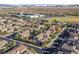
x=2 y=43
x=20 y=50
x=25 y=33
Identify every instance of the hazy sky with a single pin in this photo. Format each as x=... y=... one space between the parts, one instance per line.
x=39 y=1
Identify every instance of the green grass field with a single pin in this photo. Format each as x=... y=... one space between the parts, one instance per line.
x=70 y=19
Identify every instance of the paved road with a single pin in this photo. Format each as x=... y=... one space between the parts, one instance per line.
x=19 y=42
x=37 y=48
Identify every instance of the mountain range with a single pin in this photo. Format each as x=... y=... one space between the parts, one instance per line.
x=44 y=5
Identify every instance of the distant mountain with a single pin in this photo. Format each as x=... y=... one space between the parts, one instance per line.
x=38 y=5
x=49 y=5
x=7 y=5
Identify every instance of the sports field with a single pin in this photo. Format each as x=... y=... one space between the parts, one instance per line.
x=70 y=19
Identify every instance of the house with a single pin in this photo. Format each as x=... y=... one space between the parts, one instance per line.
x=20 y=50
x=2 y=43
x=25 y=33
x=76 y=49
x=40 y=36
x=52 y=29
x=74 y=35
x=59 y=52
x=67 y=47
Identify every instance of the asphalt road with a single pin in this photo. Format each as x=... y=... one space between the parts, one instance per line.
x=37 y=48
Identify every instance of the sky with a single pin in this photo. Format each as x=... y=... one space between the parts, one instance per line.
x=39 y=1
